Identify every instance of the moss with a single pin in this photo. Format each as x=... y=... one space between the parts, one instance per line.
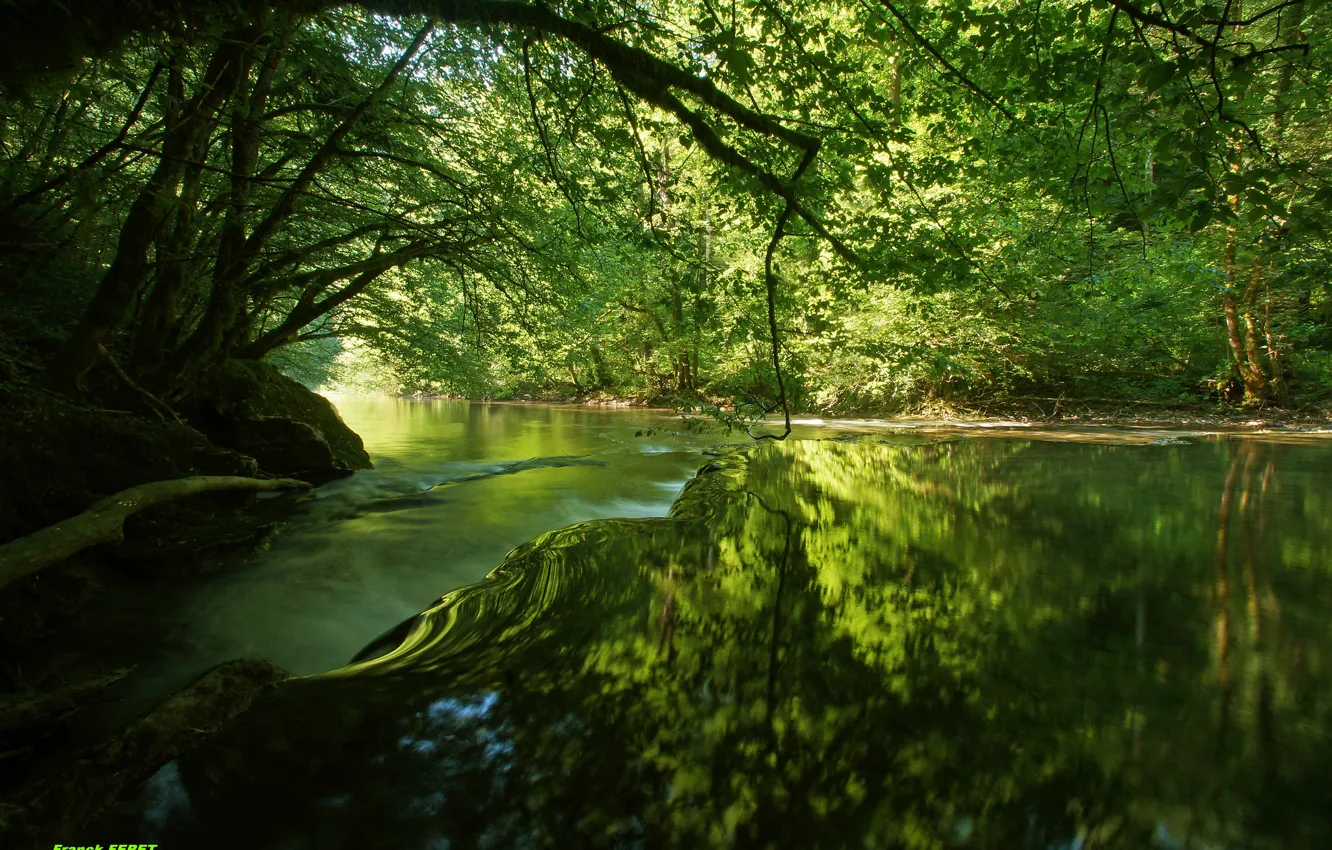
x=59 y=457
x=252 y=407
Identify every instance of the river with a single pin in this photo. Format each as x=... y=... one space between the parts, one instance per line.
x=455 y=486
x=912 y=634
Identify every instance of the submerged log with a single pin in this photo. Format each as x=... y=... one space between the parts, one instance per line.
x=104 y=522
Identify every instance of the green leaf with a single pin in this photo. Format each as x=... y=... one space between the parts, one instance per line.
x=1154 y=77
x=1165 y=145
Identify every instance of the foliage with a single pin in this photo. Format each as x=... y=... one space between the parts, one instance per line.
x=985 y=199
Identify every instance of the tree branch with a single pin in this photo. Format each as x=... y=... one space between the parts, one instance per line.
x=1145 y=17
x=915 y=33
x=104 y=521
x=98 y=155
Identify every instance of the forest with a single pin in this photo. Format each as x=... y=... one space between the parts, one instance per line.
x=859 y=206
x=1040 y=290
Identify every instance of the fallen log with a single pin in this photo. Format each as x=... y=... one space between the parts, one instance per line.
x=104 y=522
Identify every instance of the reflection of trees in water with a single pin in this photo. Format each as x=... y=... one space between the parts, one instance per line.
x=950 y=644
x=1267 y=672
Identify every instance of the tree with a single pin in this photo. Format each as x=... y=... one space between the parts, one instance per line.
x=875 y=204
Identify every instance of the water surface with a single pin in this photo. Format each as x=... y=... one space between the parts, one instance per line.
x=911 y=641
x=456 y=485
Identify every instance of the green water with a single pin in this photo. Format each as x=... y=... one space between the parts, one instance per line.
x=932 y=641
x=454 y=488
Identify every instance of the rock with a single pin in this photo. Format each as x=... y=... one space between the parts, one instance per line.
x=289 y=430
x=59 y=457
x=65 y=799
x=286 y=444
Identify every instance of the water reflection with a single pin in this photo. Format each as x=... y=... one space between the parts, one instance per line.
x=973 y=643
x=454 y=488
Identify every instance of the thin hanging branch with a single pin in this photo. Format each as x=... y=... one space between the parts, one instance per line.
x=770 y=284
x=544 y=137
x=953 y=69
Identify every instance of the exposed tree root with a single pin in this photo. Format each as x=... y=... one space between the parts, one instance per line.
x=155 y=404
x=104 y=521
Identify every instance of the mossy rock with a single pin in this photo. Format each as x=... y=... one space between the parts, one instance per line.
x=59 y=457
x=290 y=430
x=64 y=799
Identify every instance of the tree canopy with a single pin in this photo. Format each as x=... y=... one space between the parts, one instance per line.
x=859 y=204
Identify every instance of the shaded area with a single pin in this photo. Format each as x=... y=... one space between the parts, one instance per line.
x=66 y=797
x=353 y=557
x=968 y=643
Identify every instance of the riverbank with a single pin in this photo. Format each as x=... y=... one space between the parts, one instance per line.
x=1031 y=409
x=104 y=496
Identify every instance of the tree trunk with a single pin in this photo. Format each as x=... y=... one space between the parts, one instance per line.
x=175 y=245
x=602 y=374
x=215 y=331
x=128 y=271
x=1273 y=346
x=1239 y=316
x=1239 y=327
x=1237 y=301
x=1289 y=20
x=895 y=93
